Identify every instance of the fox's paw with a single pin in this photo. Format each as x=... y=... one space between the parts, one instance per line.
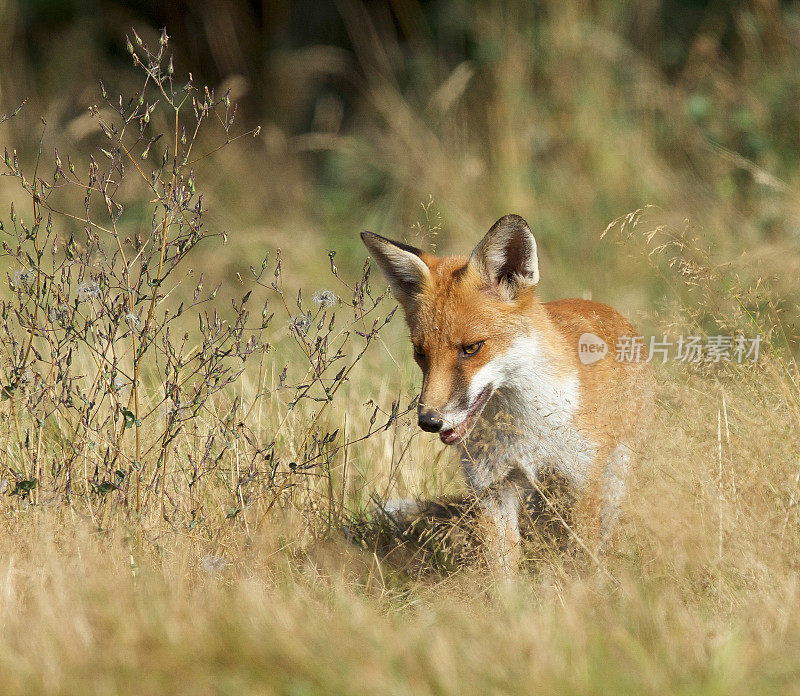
x=399 y=510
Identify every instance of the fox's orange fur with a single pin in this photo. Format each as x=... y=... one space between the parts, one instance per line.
x=502 y=376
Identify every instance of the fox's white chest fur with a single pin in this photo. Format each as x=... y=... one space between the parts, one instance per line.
x=529 y=423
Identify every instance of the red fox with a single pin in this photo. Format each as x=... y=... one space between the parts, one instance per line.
x=502 y=377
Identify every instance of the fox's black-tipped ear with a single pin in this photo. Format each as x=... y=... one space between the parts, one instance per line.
x=507 y=256
x=400 y=263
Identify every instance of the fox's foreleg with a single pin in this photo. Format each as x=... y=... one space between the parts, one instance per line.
x=499 y=507
x=614 y=476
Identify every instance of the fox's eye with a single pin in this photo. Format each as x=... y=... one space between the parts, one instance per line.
x=418 y=352
x=472 y=348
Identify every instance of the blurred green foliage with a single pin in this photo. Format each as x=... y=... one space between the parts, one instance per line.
x=570 y=113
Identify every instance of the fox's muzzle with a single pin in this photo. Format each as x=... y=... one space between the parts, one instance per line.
x=429 y=420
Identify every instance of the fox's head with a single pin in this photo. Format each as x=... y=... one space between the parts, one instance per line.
x=464 y=315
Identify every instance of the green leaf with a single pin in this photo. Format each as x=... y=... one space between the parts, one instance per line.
x=24 y=487
x=697 y=106
x=129 y=416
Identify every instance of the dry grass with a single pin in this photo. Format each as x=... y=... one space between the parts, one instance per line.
x=703 y=597
x=698 y=595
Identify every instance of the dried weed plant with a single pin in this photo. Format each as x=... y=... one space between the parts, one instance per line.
x=123 y=390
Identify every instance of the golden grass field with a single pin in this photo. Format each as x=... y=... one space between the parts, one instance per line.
x=239 y=553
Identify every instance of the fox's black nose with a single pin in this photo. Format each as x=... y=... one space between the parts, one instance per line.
x=429 y=421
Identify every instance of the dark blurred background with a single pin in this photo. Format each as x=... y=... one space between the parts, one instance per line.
x=432 y=118
x=263 y=44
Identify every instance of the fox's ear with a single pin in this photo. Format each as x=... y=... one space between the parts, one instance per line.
x=506 y=256
x=400 y=263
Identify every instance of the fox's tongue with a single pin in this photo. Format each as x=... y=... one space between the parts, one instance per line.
x=448 y=436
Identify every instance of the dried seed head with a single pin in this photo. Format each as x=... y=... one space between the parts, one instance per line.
x=87 y=291
x=23 y=278
x=300 y=323
x=325 y=298
x=133 y=320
